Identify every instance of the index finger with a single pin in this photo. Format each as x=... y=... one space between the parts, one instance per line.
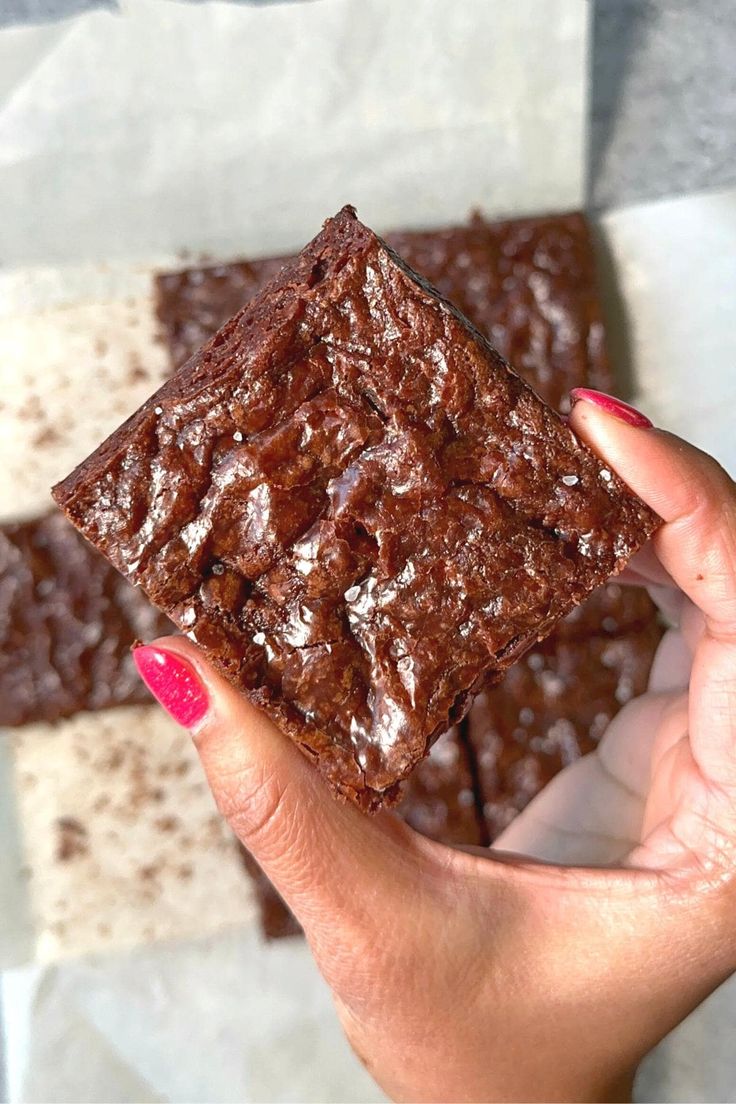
x=692 y=494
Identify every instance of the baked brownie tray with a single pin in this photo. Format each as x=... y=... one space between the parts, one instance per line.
x=553 y=258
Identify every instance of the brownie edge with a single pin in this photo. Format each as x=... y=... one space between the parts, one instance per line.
x=314 y=495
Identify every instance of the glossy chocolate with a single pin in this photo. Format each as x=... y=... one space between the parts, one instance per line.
x=529 y=285
x=355 y=508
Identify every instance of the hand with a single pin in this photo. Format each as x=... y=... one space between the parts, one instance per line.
x=658 y=793
x=488 y=975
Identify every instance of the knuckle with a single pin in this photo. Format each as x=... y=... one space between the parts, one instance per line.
x=255 y=802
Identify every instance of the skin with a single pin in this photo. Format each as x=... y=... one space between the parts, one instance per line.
x=512 y=974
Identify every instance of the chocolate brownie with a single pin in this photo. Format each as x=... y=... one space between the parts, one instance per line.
x=552 y=707
x=529 y=285
x=67 y=621
x=612 y=610
x=356 y=508
x=439 y=796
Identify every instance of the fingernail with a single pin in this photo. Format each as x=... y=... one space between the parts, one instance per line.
x=615 y=407
x=173 y=683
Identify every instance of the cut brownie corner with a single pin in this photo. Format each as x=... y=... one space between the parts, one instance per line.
x=356 y=508
x=277 y=921
x=67 y=621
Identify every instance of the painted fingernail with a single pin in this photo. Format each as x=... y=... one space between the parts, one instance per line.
x=615 y=407
x=173 y=683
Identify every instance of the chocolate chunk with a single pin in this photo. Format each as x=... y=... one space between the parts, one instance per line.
x=552 y=707
x=356 y=508
x=528 y=285
x=67 y=621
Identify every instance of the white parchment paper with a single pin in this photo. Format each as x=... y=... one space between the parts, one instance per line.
x=219 y=1019
x=229 y=128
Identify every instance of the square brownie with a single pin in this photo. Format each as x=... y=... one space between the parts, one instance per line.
x=356 y=508
x=529 y=285
x=553 y=706
x=67 y=623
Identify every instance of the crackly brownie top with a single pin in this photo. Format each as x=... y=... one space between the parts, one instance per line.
x=529 y=285
x=194 y=302
x=67 y=621
x=355 y=507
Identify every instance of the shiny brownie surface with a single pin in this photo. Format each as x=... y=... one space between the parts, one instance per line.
x=355 y=508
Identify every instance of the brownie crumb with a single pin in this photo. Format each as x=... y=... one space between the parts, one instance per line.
x=48 y=436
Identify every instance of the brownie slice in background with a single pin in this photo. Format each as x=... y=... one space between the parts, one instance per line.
x=612 y=610
x=552 y=707
x=67 y=622
x=438 y=797
x=529 y=285
x=193 y=303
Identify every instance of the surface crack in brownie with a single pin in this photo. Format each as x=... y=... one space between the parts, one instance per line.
x=454 y=580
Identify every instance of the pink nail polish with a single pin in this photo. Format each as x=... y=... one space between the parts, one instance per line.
x=173 y=683
x=615 y=407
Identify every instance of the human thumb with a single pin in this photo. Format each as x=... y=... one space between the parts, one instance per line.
x=341 y=871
